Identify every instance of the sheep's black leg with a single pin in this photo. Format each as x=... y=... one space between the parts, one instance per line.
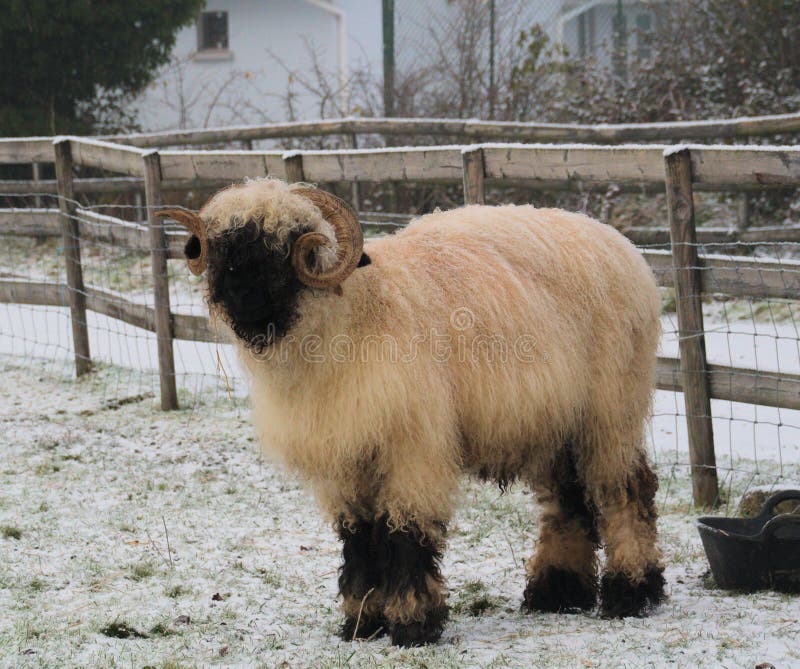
x=562 y=575
x=359 y=582
x=411 y=582
x=633 y=582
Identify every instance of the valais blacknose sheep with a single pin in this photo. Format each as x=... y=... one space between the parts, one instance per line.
x=511 y=343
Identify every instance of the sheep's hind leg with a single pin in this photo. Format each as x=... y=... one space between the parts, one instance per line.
x=562 y=574
x=414 y=603
x=359 y=582
x=633 y=579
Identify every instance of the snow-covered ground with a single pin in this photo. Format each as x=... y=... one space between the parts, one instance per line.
x=115 y=516
x=113 y=513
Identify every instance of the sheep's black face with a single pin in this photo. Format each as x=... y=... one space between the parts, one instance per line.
x=253 y=281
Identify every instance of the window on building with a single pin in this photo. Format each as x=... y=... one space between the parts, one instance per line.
x=583 y=49
x=644 y=27
x=212 y=31
x=586 y=34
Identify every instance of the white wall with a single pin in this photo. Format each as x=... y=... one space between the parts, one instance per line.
x=251 y=86
x=364 y=34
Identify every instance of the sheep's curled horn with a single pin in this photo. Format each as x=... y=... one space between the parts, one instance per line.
x=346 y=228
x=349 y=242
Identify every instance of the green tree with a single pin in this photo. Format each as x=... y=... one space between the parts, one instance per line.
x=71 y=66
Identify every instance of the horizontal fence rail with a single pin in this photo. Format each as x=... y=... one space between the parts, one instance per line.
x=482 y=130
x=49 y=294
x=39 y=149
x=720 y=275
x=43 y=223
x=219 y=166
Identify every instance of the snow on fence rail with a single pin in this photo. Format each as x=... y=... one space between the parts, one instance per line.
x=39 y=149
x=676 y=169
x=482 y=130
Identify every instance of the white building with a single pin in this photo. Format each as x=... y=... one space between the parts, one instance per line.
x=235 y=65
x=249 y=61
x=588 y=27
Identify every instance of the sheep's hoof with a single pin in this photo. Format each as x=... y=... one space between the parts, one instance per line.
x=368 y=628
x=557 y=590
x=420 y=633
x=621 y=598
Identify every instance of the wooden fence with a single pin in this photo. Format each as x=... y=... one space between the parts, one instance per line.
x=679 y=170
x=37 y=150
x=475 y=130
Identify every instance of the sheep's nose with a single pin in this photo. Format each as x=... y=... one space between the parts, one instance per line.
x=240 y=295
x=235 y=291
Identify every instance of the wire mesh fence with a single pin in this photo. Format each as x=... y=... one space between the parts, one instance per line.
x=747 y=295
x=751 y=345
x=119 y=290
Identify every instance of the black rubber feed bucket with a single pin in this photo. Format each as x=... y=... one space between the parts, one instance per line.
x=755 y=553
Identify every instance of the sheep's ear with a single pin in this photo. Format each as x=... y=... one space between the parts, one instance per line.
x=365 y=260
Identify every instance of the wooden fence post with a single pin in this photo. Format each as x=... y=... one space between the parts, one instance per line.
x=70 y=239
x=158 y=254
x=742 y=211
x=474 y=176
x=688 y=294
x=37 y=176
x=355 y=188
x=293 y=164
x=138 y=202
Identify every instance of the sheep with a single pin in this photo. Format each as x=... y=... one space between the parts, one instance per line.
x=509 y=343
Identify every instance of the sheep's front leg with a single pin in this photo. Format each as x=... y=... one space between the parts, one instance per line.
x=360 y=581
x=414 y=603
x=562 y=575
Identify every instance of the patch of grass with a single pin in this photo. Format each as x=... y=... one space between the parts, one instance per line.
x=11 y=532
x=175 y=591
x=473 y=588
x=481 y=605
x=29 y=630
x=36 y=585
x=121 y=630
x=47 y=443
x=765 y=311
x=473 y=600
x=46 y=468
x=668 y=303
x=161 y=629
x=141 y=571
x=171 y=664
x=270 y=577
x=707 y=579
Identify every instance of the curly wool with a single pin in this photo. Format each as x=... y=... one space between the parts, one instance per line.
x=278 y=211
x=389 y=433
